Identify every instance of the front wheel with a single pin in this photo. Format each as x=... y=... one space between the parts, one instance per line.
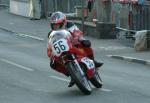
x=96 y=80
x=80 y=79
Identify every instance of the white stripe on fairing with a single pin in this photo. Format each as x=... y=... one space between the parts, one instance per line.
x=15 y=64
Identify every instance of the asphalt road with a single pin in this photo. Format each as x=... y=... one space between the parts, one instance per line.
x=25 y=76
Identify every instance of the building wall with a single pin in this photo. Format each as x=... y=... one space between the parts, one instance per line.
x=21 y=7
x=103 y=10
x=62 y=5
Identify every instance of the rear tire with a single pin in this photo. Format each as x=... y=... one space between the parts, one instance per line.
x=80 y=80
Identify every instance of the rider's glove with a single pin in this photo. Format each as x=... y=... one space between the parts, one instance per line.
x=85 y=43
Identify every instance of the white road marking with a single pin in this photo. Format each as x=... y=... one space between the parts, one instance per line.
x=111 y=48
x=33 y=37
x=23 y=35
x=11 y=23
x=15 y=64
x=106 y=90
x=59 y=78
x=66 y=80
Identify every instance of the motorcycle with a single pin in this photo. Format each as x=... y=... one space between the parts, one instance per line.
x=80 y=68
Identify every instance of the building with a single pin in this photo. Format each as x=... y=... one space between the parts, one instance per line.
x=25 y=7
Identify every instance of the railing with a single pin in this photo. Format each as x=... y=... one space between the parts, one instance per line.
x=140 y=18
x=131 y=18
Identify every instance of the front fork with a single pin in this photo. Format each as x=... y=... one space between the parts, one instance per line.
x=71 y=57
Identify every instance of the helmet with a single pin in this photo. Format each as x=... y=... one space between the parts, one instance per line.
x=57 y=20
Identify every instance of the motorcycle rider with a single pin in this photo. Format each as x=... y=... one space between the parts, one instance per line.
x=58 y=21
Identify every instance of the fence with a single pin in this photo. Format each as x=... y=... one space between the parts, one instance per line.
x=140 y=17
x=131 y=16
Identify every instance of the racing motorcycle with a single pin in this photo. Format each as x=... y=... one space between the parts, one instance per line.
x=80 y=68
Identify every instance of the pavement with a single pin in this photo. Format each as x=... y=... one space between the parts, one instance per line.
x=38 y=29
x=23 y=25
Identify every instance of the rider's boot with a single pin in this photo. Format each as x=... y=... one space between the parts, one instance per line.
x=71 y=83
x=97 y=64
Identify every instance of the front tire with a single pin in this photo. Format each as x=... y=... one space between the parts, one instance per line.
x=96 y=80
x=80 y=80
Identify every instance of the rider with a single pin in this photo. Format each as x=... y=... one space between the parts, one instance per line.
x=58 y=21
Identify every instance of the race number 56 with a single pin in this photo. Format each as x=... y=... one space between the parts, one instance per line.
x=60 y=46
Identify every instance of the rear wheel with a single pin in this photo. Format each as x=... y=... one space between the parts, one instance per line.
x=79 y=78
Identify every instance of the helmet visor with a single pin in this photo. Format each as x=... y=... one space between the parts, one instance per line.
x=55 y=26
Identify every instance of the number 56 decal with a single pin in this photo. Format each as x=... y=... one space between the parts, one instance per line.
x=60 y=46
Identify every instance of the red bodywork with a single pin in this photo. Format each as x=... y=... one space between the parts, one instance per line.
x=80 y=52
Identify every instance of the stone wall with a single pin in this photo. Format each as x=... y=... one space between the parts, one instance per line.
x=101 y=30
x=103 y=10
